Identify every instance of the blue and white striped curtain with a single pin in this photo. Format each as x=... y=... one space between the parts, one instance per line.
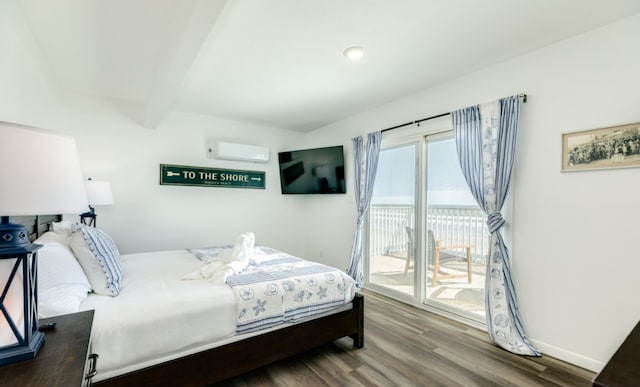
x=486 y=140
x=365 y=162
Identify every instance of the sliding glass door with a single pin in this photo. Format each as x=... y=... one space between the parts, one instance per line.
x=455 y=234
x=392 y=219
x=427 y=236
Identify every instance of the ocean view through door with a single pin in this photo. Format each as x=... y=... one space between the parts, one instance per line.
x=391 y=217
x=427 y=236
x=455 y=234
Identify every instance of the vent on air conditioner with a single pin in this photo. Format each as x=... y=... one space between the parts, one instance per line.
x=239 y=152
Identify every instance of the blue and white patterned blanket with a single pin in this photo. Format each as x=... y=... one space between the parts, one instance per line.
x=277 y=287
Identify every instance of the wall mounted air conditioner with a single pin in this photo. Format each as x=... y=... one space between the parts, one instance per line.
x=239 y=152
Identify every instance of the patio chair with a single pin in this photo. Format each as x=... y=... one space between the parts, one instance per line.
x=440 y=254
x=411 y=251
x=437 y=255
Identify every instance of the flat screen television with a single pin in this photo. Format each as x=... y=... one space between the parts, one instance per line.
x=312 y=171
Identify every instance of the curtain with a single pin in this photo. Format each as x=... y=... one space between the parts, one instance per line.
x=485 y=141
x=365 y=161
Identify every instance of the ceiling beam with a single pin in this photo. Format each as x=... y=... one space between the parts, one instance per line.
x=181 y=52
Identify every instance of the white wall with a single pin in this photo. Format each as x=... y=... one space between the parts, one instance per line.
x=149 y=216
x=575 y=260
x=26 y=85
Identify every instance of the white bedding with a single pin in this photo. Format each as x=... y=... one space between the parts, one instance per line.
x=156 y=314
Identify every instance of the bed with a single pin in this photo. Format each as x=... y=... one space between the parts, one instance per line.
x=206 y=348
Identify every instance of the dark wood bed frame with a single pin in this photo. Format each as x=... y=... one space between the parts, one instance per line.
x=220 y=363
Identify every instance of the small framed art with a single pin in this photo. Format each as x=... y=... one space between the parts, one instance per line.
x=604 y=148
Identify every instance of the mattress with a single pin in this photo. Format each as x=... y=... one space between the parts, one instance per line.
x=157 y=316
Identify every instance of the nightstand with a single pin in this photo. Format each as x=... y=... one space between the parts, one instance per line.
x=63 y=359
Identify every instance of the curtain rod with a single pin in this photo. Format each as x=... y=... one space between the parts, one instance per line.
x=417 y=122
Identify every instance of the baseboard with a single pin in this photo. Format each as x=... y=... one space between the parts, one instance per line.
x=569 y=357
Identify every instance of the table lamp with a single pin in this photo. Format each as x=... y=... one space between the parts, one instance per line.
x=40 y=175
x=98 y=194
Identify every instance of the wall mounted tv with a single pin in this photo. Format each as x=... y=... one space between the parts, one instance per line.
x=312 y=171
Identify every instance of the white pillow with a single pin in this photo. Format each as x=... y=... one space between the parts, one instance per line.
x=53 y=237
x=99 y=257
x=61 y=300
x=62 y=284
x=63 y=227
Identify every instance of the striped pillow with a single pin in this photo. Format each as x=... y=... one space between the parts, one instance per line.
x=99 y=257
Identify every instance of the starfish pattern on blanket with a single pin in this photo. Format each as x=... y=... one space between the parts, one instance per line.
x=260 y=306
x=322 y=293
x=276 y=287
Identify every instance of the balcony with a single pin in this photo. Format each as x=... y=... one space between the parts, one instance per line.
x=389 y=243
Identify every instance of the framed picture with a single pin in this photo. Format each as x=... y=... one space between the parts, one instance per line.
x=605 y=148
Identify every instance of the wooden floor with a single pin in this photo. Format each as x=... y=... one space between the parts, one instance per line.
x=406 y=346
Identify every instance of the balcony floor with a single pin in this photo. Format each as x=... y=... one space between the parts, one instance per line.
x=388 y=271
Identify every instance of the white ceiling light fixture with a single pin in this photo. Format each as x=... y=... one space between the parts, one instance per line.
x=354 y=52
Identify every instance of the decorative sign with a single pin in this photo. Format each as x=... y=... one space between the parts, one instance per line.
x=200 y=176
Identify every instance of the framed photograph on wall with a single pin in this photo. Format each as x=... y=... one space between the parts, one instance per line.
x=605 y=148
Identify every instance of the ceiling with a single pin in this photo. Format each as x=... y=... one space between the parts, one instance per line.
x=279 y=62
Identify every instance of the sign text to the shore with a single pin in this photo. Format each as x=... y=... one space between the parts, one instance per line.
x=212 y=177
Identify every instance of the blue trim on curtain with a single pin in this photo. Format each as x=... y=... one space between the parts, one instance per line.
x=485 y=142
x=365 y=164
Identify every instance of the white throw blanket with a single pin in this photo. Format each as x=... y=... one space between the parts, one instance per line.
x=228 y=262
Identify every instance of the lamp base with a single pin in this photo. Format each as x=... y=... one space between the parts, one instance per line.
x=88 y=218
x=91 y=212
x=12 y=355
x=22 y=256
x=12 y=235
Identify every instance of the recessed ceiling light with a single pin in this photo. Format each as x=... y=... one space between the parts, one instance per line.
x=354 y=52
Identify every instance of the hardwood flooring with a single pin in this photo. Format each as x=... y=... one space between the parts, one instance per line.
x=407 y=346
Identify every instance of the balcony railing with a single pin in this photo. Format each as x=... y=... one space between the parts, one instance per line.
x=450 y=225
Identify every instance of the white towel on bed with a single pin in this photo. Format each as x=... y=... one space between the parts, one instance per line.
x=228 y=262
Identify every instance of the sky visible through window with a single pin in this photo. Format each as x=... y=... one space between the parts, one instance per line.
x=395 y=180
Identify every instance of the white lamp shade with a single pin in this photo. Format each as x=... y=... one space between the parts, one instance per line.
x=39 y=172
x=98 y=192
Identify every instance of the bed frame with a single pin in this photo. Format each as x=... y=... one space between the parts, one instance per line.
x=220 y=363
x=233 y=359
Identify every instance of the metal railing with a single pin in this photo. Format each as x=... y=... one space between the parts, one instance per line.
x=387 y=228
x=450 y=225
